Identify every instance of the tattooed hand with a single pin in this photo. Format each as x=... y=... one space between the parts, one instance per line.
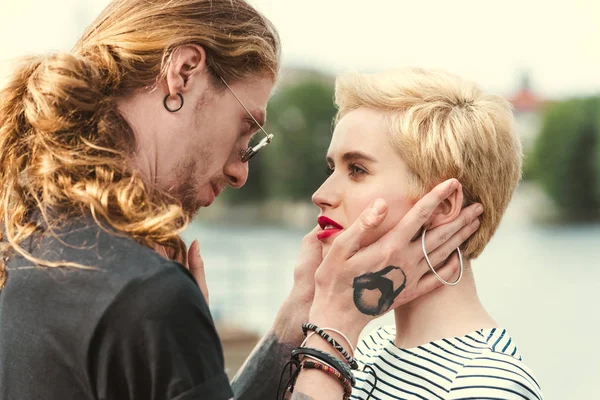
x=374 y=293
x=364 y=276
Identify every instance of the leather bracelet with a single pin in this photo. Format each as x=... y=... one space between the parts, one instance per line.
x=327 y=358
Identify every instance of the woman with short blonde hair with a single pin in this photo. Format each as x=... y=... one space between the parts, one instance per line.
x=398 y=134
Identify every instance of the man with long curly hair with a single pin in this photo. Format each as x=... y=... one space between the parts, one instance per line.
x=106 y=152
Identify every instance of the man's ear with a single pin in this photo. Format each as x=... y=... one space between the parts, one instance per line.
x=186 y=63
x=448 y=210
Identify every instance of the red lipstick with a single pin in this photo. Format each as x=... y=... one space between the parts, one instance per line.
x=329 y=227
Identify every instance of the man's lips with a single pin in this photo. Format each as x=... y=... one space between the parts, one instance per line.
x=329 y=227
x=217 y=189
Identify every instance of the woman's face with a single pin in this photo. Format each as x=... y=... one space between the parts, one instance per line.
x=364 y=166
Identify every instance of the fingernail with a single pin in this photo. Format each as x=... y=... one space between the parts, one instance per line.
x=379 y=206
x=479 y=209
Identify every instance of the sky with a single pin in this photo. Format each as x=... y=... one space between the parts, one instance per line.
x=491 y=42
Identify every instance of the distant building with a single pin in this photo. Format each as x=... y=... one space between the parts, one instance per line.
x=528 y=112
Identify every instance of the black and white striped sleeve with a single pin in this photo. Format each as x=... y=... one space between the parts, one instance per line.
x=495 y=376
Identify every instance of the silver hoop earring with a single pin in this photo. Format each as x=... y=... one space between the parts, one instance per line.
x=431 y=266
x=173 y=109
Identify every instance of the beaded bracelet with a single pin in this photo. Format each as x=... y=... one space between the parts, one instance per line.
x=330 y=330
x=322 y=356
x=333 y=372
x=311 y=327
x=305 y=341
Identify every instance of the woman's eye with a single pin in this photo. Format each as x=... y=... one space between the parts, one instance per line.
x=328 y=171
x=356 y=170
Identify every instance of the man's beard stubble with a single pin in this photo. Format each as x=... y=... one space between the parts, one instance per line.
x=188 y=176
x=193 y=171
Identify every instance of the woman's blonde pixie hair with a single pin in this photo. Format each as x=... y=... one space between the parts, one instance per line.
x=65 y=149
x=445 y=127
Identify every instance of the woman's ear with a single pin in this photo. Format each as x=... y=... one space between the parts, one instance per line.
x=187 y=62
x=448 y=210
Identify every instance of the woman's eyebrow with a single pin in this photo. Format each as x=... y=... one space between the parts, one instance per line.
x=352 y=156
x=357 y=155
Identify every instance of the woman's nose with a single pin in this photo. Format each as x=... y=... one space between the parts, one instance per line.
x=325 y=196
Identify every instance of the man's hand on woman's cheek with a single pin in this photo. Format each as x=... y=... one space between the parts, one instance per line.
x=358 y=282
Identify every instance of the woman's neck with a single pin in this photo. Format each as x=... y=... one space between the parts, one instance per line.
x=448 y=311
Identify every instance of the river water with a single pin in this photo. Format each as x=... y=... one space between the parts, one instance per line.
x=540 y=282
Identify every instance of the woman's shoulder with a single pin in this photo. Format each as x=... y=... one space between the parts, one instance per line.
x=498 y=369
x=485 y=360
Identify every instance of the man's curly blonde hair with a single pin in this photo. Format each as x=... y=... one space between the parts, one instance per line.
x=65 y=150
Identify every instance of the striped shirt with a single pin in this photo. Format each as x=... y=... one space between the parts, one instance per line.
x=484 y=364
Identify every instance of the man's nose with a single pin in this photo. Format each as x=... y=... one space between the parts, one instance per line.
x=236 y=173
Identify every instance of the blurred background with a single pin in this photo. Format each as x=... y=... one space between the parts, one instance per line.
x=540 y=274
